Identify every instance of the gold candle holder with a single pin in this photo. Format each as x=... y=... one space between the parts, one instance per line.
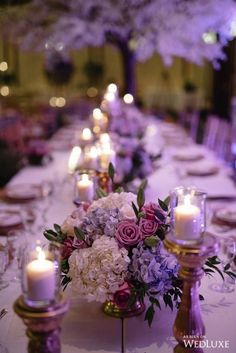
x=188 y=322
x=43 y=325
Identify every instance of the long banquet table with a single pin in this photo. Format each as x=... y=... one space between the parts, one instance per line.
x=85 y=328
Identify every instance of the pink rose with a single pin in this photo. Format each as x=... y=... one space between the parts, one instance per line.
x=148 y=227
x=128 y=233
x=122 y=296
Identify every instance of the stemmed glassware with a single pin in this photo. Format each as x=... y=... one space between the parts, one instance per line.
x=4 y=260
x=227 y=255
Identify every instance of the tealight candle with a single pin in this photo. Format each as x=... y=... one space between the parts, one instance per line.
x=74 y=159
x=86 y=134
x=187 y=219
x=41 y=279
x=85 y=188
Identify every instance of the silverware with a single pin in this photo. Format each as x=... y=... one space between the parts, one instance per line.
x=3 y=312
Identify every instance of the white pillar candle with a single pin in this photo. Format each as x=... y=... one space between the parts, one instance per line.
x=85 y=188
x=41 y=279
x=74 y=159
x=187 y=218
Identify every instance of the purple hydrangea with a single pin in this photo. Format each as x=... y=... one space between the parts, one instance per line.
x=100 y=221
x=155 y=267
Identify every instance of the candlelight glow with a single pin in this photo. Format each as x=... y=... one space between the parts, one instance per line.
x=97 y=114
x=112 y=88
x=86 y=134
x=74 y=159
x=128 y=98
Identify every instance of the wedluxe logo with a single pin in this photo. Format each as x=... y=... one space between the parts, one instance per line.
x=203 y=342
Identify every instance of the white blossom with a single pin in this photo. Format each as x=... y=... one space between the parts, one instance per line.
x=98 y=272
x=171 y=28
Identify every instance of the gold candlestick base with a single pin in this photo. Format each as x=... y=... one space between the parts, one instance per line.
x=43 y=325
x=188 y=323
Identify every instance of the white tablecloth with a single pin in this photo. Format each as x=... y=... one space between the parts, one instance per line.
x=85 y=328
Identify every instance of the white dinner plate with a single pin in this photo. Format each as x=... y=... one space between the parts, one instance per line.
x=23 y=192
x=227 y=215
x=9 y=218
x=203 y=169
x=188 y=155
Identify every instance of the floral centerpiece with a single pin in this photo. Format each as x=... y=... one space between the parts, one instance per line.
x=133 y=161
x=112 y=250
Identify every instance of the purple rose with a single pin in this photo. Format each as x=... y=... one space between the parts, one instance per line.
x=122 y=296
x=148 y=227
x=69 y=245
x=128 y=233
x=154 y=212
x=67 y=248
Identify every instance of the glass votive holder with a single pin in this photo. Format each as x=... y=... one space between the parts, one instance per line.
x=84 y=186
x=90 y=158
x=188 y=214
x=41 y=275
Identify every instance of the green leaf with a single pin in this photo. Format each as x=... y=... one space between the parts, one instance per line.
x=167 y=201
x=141 y=214
x=201 y=297
x=64 y=265
x=143 y=184
x=151 y=241
x=79 y=233
x=227 y=267
x=100 y=193
x=140 y=198
x=230 y=274
x=163 y=205
x=135 y=210
x=150 y=315
x=168 y=301
x=209 y=264
x=119 y=190
x=52 y=232
x=111 y=171
x=57 y=228
x=51 y=236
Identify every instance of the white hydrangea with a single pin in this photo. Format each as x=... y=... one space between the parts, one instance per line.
x=98 y=272
x=114 y=200
x=73 y=220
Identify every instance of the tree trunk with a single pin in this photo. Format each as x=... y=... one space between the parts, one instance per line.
x=129 y=66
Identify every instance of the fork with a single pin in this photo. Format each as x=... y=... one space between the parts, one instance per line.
x=3 y=312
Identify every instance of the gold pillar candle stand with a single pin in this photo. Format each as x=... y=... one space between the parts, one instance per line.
x=43 y=325
x=188 y=322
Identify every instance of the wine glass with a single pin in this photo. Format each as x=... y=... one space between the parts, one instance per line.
x=17 y=242
x=226 y=256
x=4 y=260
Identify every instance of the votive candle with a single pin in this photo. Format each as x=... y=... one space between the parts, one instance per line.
x=85 y=188
x=41 y=278
x=187 y=220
